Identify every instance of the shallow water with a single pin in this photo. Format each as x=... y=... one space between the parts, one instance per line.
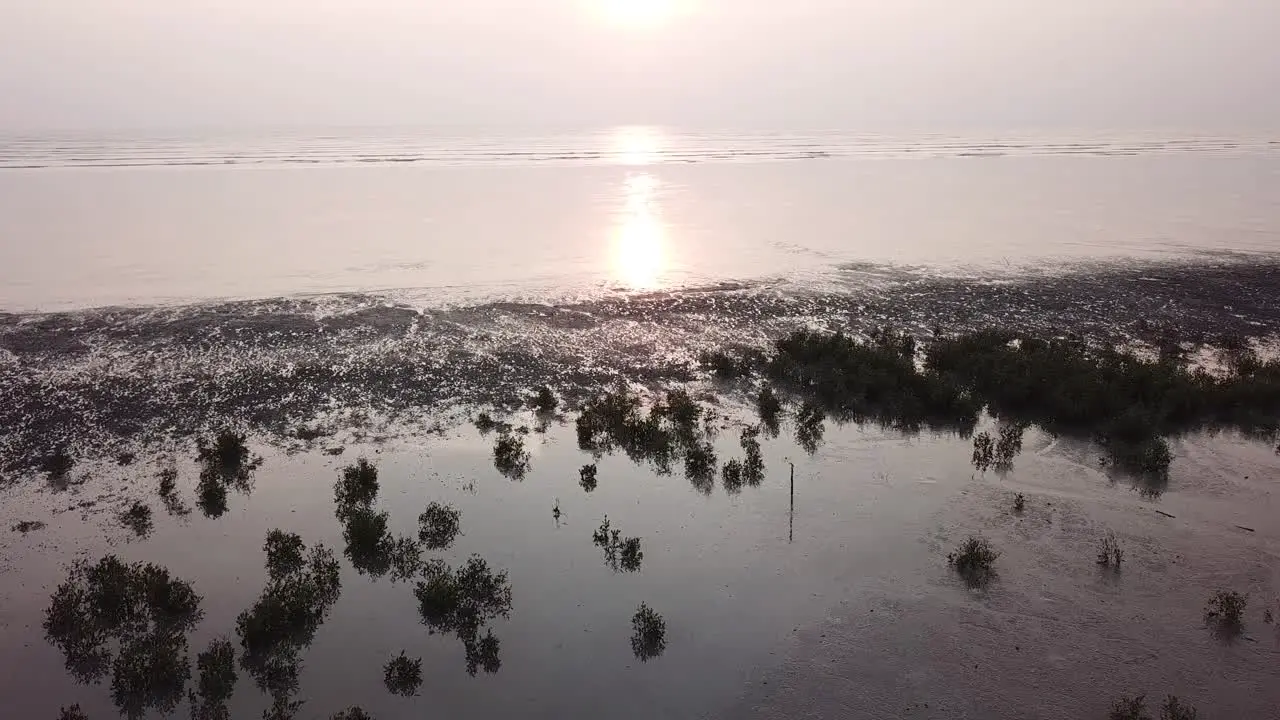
x=1057 y=636
x=724 y=569
x=845 y=608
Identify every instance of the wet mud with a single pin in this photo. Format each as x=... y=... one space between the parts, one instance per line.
x=108 y=381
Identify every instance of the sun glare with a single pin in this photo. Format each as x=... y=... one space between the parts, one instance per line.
x=638 y=254
x=635 y=145
x=639 y=13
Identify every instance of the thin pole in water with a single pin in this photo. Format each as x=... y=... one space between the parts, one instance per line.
x=791 y=532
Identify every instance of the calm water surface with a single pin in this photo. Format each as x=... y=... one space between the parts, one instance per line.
x=585 y=215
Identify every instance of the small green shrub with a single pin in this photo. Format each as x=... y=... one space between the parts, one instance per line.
x=227 y=450
x=72 y=713
x=731 y=366
x=27 y=526
x=226 y=463
x=510 y=457
x=629 y=555
x=358 y=486
x=1174 y=709
x=874 y=381
x=545 y=401
x=211 y=495
x=1134 y=708
x=217 y=681
x=700 y=464
x=368 y=543
x=462 y=600
x=308 y=434
x=168 y=481
x=351 y=713
x=648 y=633
x=438 y=526
x=138 y=519
x=486 y=424
x=127 y=620
x=283 y=622
x=753 y=464
x=282 y=708
x=1149 y=456
x=405 y=558
x=1110 y=554
x=150 y=675
x=1008 y=446
x=1226 y=609
x=57 y=464
x=403 y=676
x=731 y=475
x=587 y=477
x=683 y=411
x=622 y=555
x=983 y=451
x=284 y=554
x=482 y=653
x=769 y=407
x=810 y=427
x=974 y=560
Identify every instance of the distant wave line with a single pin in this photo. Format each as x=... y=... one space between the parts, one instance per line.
x=36 y=154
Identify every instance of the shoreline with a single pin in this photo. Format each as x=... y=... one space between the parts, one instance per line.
x=114 y=380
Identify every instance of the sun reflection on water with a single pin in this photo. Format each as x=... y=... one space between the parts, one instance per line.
x=639 y=254
x=636 y=145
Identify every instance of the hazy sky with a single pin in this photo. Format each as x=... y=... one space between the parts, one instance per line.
x=875 y=64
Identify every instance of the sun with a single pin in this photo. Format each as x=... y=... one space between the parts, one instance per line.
x=639 y=13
